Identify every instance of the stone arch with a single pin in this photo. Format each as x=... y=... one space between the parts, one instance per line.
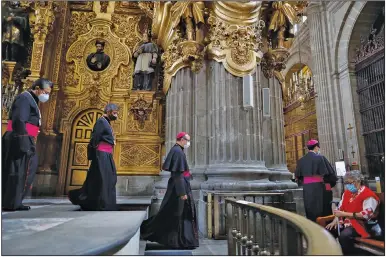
x=356 y=23
x=294 y=59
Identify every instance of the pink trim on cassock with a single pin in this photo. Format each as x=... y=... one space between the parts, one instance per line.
x=32 y=130
x=105 y=147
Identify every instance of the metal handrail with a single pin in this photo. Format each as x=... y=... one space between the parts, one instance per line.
x=286 y=231
x=216 y=215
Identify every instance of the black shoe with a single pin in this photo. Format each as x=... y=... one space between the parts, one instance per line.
x=23 y=208
x=7 y=209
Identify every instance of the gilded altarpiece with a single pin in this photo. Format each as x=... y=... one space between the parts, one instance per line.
x=138 y=130
x=300 y=122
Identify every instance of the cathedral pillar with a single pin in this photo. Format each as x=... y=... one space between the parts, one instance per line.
x=235 y=134
x=327 y=108
x=182 y=109
x=274 y=146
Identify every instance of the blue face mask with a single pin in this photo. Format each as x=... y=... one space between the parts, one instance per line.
x=351 y=188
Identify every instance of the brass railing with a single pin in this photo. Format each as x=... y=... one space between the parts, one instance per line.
x=216 y=214
x=255 y=229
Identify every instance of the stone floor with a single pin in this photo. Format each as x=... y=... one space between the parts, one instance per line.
x=211 y=247
x=49 y=213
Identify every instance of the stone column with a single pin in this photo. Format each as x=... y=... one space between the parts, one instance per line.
x=327 y=106
x=179 y=117
x=236 y=159
x=275 y=155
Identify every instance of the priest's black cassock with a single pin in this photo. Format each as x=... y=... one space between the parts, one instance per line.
x=19 y=159
x=317 y=176
x=175 y=224
x=98 y=190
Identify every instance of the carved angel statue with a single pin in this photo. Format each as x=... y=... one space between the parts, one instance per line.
x=146 y=55
x=193 y=15
x=283 y=17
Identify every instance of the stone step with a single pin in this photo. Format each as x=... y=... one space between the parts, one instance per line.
x=155 y=249
x=59 y=229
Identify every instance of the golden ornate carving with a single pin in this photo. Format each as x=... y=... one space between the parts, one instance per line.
x=147 y=7
x=7 y=69
x=234 y=45
x=138 y=155
x=124 y=81
x=72 y=78
x=81 y=154
x=79 y=24
x=43 y=21
x=104 y=5
x=126 y=27
x=280 y=17
x=143 y=114
x=273 y=62
x=141 y=110
x=84 y=89
x=68 y=105
x=81 y=5
x=178 y=28
x=118 y=52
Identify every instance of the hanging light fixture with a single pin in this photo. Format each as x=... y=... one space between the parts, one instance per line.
x=302 y=85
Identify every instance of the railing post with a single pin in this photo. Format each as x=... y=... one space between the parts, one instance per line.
x=255 y=247
x=216 y=216
x=238 y=235
x=244 y=232
x=231 y=232
x=209 y=215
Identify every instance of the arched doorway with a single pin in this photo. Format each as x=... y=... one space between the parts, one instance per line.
x=80 y=135
x=300 y=123
x=369 y=70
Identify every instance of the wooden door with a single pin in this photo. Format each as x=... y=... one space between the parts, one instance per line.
x=80 y=136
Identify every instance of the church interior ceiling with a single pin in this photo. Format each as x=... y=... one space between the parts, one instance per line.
x=127 y=53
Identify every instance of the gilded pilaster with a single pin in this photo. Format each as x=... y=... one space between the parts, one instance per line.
x=41 y=25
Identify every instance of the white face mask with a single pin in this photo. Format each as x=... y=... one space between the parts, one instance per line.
x=187 y=145
x=43 y=97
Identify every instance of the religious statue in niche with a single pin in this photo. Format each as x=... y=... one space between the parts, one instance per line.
x=146 y=56
x=15 y=31
x=98 y=61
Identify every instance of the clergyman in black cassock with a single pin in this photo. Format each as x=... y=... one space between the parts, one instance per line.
x=98 y=192
x=19 y=158
x=317 y=176
x=175 y=224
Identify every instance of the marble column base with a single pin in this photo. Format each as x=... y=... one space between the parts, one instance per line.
x=236 y=177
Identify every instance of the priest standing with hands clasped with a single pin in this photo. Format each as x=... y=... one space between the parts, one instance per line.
x=175 y=224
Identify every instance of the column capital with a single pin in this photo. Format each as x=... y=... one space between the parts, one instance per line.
x=314 y=7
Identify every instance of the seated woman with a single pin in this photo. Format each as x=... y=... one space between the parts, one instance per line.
x=358 y=205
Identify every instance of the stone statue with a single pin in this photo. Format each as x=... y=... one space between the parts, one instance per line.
x=146 y=56
x=98 y=61
x=15 y=31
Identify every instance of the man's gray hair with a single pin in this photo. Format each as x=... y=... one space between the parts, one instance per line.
x=354 y=175
x=110 y=107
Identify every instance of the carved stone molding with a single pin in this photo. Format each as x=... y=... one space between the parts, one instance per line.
x=370 y=46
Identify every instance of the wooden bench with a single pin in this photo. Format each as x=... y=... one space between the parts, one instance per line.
x=369 y=245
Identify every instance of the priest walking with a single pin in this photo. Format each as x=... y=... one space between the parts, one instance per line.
x=19 y=158
x=175 y=225
x=98 y=191
x=317 y=176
